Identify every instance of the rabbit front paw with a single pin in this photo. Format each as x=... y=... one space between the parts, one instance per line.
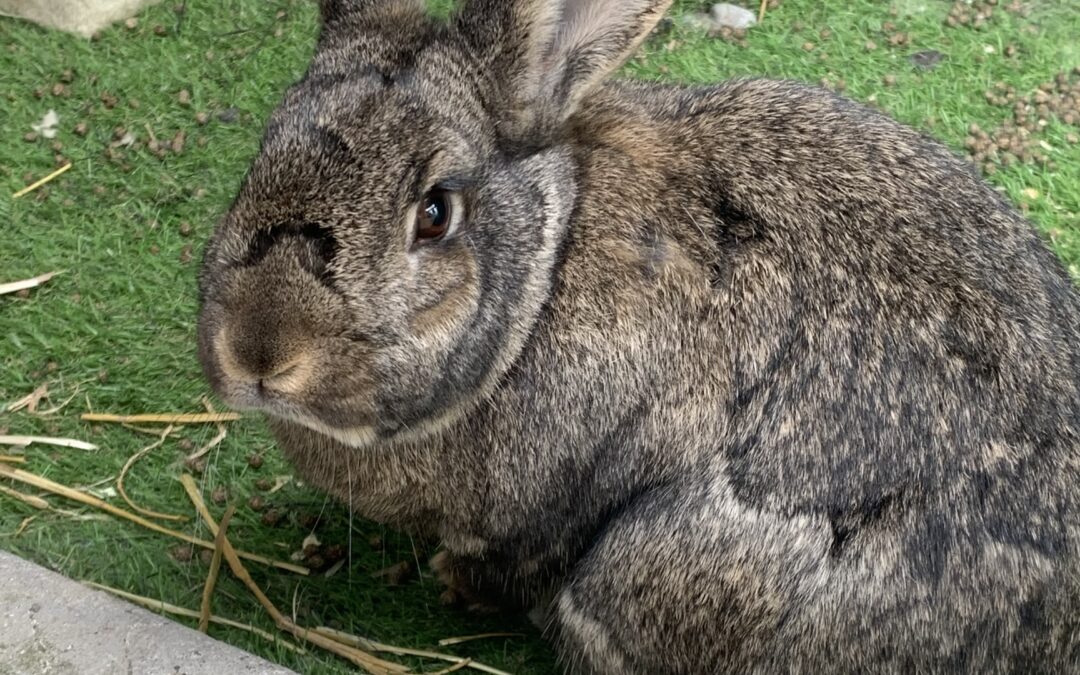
x=460 y=591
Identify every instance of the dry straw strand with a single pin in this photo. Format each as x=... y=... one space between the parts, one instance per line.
x=162 y=418
x=47 y=440
x=26 y=284
x=127 y=466
x=163 y=606
x=64 y=491
x=222 y=432
x=215 y=568
x=34 y=501
x=38 y=183
x=446 y=642
x=373 y=646
x=369 y=663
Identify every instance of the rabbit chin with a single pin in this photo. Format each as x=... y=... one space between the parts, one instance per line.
x=354 y=437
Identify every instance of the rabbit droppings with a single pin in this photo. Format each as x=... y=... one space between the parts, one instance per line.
x=738 y=379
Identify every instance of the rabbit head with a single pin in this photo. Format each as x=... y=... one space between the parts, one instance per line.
x=395 y=240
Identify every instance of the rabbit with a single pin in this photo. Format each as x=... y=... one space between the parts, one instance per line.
x=746 y=378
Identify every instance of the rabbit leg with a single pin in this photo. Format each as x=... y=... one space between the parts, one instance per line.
x=685 y=583
x=460 y=591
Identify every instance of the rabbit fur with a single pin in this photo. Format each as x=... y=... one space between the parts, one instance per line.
x=735 y=379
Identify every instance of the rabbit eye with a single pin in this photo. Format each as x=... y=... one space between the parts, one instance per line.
x=437 y=215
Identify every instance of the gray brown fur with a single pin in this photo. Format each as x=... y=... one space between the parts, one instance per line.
x=746 y=378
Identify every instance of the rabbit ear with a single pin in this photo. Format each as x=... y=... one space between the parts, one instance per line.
x=551 y=53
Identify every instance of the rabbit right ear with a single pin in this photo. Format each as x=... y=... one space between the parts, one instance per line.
x=547 y=55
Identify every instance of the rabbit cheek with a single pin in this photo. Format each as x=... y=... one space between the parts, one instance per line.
x=445 y=299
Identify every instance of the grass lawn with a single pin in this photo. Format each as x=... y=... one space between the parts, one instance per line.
x=128 y=223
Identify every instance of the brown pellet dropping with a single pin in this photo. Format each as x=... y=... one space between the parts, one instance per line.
x=81 y=129
x=184 y=97
x=68 y=76
x=185 y=231
x=108 y=100
x=177 y=144
x=39 y=93
x=256 y=503
x=186 y=254
x=182 y=553
x=201 y=118
x=220 y=495
x=264 y=484
x=334 y=553
x=870 y=45
x=23 y=294
x=99 y=190
x=30 y=136
x=809 y=46
x=308 y=521
x=375 y=542
x=155 y=249
x=273 y=517
x=201 y=141
x=132 y=23
x=1073 y=138
x=160 y=31
x=889 y=80
x=206 y=556
x=56 y=146
x=255 y=461
x=186 y=444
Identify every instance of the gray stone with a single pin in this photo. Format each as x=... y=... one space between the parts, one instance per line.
x=84 y=17
x=732 y=16
x=50 y=625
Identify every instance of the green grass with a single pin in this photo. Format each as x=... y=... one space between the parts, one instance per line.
x=118 y=325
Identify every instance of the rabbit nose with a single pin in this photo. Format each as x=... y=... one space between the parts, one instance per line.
x=261 y=363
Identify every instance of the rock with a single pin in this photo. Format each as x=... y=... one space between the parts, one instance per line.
x=83 y=17
x=732 y=16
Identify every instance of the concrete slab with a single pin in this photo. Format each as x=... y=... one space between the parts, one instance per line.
x=50 y=625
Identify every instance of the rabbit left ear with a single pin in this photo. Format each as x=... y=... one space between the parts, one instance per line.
x=548 y=54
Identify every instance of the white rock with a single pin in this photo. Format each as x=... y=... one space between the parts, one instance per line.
x=47 y=126
x=698 y=21
x=76 y=16
x=732 y=16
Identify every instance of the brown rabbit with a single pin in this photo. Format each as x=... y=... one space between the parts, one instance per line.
x=740 y=379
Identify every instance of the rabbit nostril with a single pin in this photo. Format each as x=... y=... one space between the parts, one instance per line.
x=289 y=378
